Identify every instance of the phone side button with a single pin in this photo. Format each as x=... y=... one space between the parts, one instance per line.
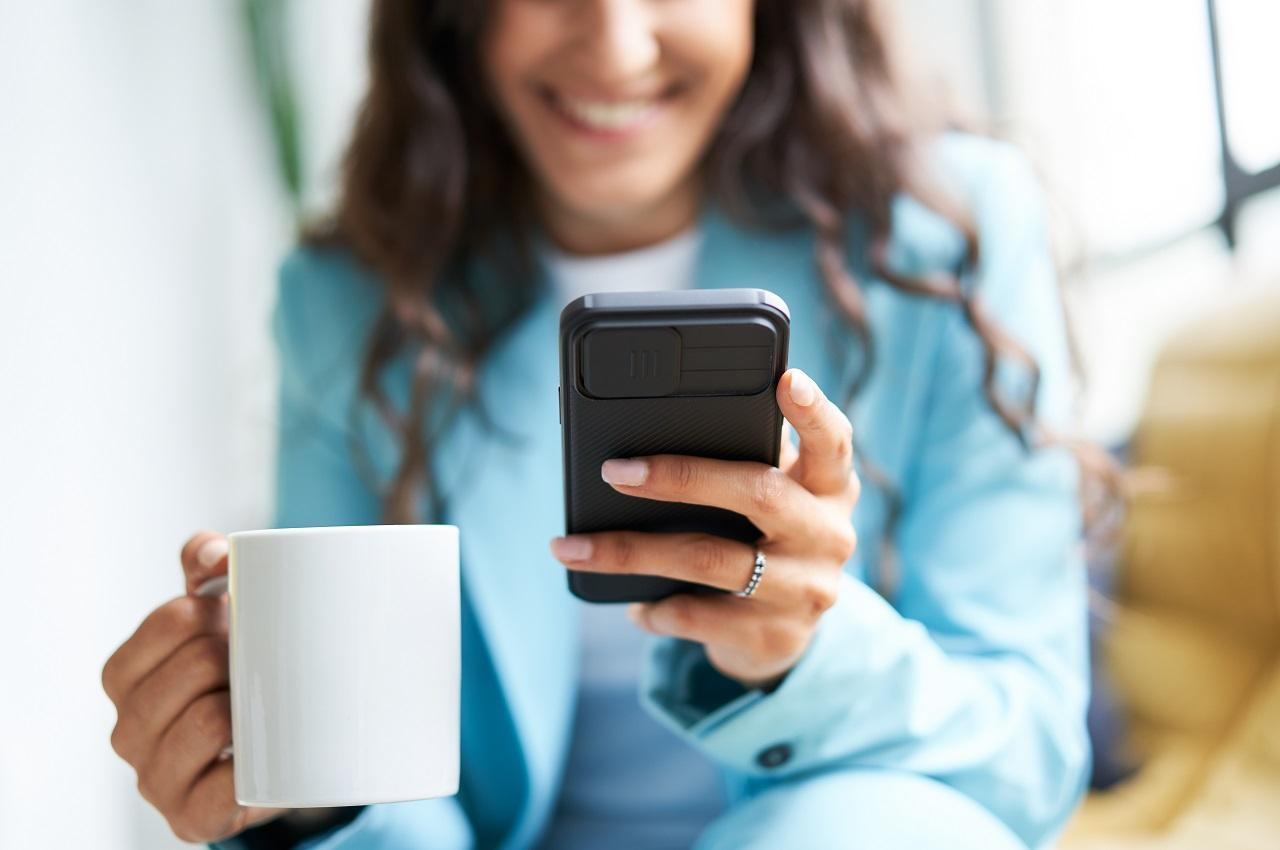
x=559 y=401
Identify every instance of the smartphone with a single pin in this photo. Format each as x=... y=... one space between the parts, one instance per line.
x=690 y=372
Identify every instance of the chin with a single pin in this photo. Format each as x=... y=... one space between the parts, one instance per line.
x=614 y=199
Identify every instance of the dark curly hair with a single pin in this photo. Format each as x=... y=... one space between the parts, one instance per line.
x=819 y=134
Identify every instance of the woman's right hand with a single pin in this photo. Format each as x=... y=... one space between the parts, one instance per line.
x=170 y=685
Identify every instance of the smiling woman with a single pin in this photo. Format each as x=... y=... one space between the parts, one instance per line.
x=510 y=154
x=612 y=105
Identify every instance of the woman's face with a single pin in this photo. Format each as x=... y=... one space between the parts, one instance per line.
x=613 y=102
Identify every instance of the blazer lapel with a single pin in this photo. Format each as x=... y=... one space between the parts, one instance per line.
x=503 y=490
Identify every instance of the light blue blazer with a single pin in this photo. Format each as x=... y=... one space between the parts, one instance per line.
x=972 y=673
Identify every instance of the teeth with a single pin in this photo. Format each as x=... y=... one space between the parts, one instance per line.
x=607 y=116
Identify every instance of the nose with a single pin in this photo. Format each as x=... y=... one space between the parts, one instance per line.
x=622 y=38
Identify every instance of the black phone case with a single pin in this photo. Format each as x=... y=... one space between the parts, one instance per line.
x=685 y=372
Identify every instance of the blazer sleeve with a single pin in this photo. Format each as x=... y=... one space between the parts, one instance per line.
x=976 y=676
x=321 y=318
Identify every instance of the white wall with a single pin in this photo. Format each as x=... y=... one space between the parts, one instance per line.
x=139 y=224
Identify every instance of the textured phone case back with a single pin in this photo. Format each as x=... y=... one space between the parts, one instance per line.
x=716 y=399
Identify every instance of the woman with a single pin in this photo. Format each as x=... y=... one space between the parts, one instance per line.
x=512 y=154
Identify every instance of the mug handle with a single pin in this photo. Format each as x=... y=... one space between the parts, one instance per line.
x=216 y=586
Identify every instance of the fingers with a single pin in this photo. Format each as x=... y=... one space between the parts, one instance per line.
x=776 y=503
x=186 y=749
x=704 y=619
x=196 y=668
x=210 y=811
x=162 y=632
x=195 y=793
x=715 y=562
x=203 y=557
x=777 y=500
x=700 y=558
x=749 y=644
x=169 y=682
x=824 y=465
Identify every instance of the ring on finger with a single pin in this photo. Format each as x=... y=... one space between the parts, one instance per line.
x=756 y=572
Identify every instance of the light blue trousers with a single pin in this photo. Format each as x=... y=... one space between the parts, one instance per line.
x=858 y=810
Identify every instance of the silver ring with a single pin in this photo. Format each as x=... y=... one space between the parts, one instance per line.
x=755 y=576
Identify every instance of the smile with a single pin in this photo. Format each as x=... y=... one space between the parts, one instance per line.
x=607 y=118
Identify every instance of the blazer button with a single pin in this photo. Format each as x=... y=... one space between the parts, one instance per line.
x=775 y=756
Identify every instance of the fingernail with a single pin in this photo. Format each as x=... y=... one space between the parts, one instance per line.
x=625 y=471
x=634 y=614
x=803 y=389
x=571 y=548
x=211 y=552
x=215 y=586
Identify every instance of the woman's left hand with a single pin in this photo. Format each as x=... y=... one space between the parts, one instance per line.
x=804 y=510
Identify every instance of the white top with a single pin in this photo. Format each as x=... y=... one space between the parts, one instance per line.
x=629 y=781
x=665 y=265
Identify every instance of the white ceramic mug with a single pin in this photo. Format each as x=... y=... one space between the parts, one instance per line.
x=345 y=664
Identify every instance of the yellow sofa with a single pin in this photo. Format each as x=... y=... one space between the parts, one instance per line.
x=1193 y=650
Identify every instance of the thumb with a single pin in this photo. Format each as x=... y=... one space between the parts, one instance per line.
x=204 y=564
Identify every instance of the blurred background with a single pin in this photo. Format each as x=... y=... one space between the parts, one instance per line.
x=156 y=156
